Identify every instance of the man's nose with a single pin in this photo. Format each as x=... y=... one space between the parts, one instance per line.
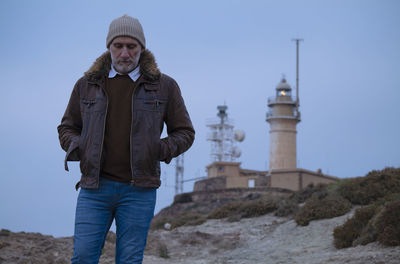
x=124 y=52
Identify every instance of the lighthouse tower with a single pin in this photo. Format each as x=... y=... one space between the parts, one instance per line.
x=283 y=116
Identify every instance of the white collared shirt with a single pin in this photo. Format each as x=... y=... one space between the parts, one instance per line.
x=134 y=75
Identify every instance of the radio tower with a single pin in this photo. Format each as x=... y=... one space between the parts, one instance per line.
x=223 y=138
x=179 y=174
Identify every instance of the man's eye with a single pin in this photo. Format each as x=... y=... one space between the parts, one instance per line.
x=131 y=46
x=118 y=46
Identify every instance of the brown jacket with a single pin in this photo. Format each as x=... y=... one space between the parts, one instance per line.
x=156 y=100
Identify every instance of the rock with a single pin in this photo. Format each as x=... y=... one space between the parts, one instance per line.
x=167 y=226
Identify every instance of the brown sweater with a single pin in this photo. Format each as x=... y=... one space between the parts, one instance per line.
x=116 y=148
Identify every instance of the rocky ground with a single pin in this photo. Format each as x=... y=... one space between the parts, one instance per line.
x=265 y=239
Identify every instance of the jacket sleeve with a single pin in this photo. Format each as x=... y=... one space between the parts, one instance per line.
x=70 y=128
x=179 y=126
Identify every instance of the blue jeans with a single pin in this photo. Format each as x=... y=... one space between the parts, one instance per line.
x=132 y=208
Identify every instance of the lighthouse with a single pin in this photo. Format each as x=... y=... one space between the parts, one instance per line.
x=283 y=116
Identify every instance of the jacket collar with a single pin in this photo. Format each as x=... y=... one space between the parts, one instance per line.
x=102 y=66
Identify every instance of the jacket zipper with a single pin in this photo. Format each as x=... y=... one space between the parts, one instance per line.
x=130 y=136
x=102 y=137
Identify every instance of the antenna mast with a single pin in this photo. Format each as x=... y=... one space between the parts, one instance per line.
x=179 y=169
x=297 y=75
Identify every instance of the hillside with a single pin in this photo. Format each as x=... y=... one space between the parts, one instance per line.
x=264 y=239
x=353 y=221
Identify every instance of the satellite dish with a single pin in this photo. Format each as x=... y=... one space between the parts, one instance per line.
x=239 y=135
x=236 y=152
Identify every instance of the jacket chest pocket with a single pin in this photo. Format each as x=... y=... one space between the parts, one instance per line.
x=91 y=105
x=93 y=114
x=152 y=105
x=149 y=111
x=150 y=99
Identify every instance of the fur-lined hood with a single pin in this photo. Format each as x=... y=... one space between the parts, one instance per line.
x=102 y=66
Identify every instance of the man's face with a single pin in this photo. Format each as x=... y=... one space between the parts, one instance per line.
x=125 y=54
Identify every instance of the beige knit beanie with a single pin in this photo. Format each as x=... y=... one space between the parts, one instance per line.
x=125 y=26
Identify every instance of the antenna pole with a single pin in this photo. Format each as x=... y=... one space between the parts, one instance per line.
x=179 y=167
x=297 y=74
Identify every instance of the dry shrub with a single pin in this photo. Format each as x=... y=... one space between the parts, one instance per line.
x=388 y=225
x=162 y=250
x=369 y=232
x=183 y=198
x=158 y=223
x=289 y=206
x=286 y=207
x=257 y=207
x=225 y=211
x=376 y=222
x=322 y=205
x=187 y=218
x=183 y=219
x=373 y=229
x=346 y=234
x=368 y=189
x=245 y=209
x=234 y=218
x=302 y=195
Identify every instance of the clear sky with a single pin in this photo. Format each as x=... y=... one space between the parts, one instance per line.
x=232 y=52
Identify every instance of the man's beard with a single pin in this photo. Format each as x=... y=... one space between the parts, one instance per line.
x=124 y=68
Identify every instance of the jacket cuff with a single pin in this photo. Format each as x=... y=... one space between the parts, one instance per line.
x=165 y=151
x=72 y=153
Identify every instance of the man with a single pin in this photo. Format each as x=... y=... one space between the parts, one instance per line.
x=112 y=125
